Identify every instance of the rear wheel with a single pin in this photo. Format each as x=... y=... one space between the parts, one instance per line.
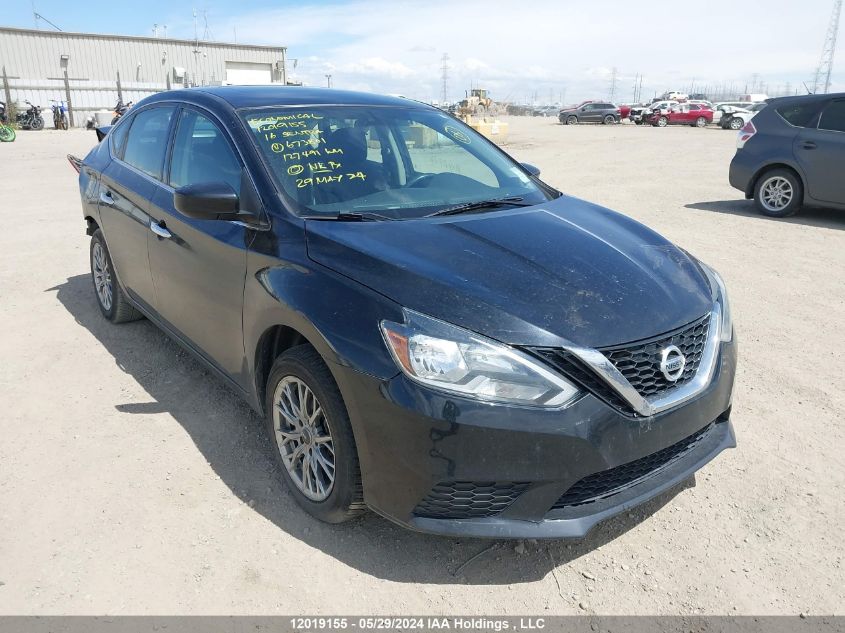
x=110 y=297
x=779 y=193
x=64 y=122
x=609 y=119
x=572 y=120
x=701 y=122
x=309 y=427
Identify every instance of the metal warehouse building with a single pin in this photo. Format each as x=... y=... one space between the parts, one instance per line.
x=91 y=72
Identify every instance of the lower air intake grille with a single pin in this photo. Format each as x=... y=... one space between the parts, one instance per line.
x=609 y=482
x=469 y=499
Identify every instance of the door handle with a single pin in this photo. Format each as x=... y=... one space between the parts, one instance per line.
x=810 y=145
x=159 y=229
x=106 y=199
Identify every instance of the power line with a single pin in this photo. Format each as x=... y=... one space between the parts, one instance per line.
x=444 y=69
x=821 y=82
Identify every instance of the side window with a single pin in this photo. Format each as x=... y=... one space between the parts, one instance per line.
x=833 y=117
x=800 y=114
x=201 y=153
x=147 y=140
x=117 y=137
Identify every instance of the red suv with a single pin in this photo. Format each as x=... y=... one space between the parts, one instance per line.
x=693 y=114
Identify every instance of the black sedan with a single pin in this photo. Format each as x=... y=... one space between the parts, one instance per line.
x=428 y=329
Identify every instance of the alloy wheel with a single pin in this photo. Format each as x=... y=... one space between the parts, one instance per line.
x=776 y=193
x=303 y=438
x=102 y=276
x=736 y=123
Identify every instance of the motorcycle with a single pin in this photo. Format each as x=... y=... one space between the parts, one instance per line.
x=120 y=109
x=60 y=120
x=31 y=119
x=7 y=132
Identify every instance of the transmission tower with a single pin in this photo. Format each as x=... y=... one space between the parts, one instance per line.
x=444 y=69
x=614 y=79
x=821 y=83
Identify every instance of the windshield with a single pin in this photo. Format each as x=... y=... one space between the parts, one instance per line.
x=397 y=162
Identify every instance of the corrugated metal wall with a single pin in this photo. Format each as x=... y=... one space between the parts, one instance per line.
x=34 y=66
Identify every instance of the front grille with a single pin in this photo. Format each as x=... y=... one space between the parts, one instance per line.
x=469 y=499
x=640 y=363
x=609 y=482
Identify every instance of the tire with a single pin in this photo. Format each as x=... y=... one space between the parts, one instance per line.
x=662 y=122
x=7 y=133
x=779 y=193
x=37 y=123
x=736 y=124
x=340 y=499
x=701 y=122
x=64 y=122
x=110 y=296
x=609 y=120
x=572 y=120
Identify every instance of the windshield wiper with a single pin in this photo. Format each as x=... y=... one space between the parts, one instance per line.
x=514 y=201
x=351 y=216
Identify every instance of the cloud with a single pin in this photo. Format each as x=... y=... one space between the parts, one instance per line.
x=519 y=51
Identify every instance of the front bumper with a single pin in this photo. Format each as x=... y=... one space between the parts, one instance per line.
x=509 y=470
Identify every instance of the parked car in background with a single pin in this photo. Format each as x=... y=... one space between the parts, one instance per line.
x=727 y=107
x=791 y=154
x=348 y=296
x=591 y=112
x=545 y=111
x=625 y=111
x=675 y=95
x=639 y=114
x=691 y=114
x=738 y=117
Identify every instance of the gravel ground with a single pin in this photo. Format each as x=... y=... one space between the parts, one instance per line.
x=133 y=482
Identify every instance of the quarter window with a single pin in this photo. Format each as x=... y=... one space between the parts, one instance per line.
x=147 y=140
x=833 y=117
x=201 y=153
x=118 y=138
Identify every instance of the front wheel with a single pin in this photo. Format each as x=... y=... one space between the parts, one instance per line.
x=64 y=122
x=701 y=122
x=310 y=430
x=609 y=119
x=662 y=122
x=736 y=123
x=779 y=193
x=37 y=123
x=110 y=297
x=572 y=120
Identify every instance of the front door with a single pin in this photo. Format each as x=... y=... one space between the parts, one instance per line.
x=821 y=154
x=198 y=266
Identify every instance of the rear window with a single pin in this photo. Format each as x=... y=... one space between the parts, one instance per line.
x=799 y=114
x=833 y=117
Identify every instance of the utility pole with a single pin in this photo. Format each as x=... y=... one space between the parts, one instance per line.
x=444 y=76
x=613 y=82
x=821 y=82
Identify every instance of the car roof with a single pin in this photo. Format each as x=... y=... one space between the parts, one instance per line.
x=262 y=96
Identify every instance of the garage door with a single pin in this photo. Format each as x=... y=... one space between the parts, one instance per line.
x=248 y=73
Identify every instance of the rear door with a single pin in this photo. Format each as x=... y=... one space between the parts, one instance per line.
x=198 y=266
x=127 y=185
x=821 y=153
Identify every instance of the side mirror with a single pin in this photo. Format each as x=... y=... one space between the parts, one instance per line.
x=207 y=201
x=531 y=169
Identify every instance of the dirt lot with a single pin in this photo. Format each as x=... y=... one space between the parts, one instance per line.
x=133 y=482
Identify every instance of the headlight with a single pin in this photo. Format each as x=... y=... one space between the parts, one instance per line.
x=452 y=359
x=726 y=333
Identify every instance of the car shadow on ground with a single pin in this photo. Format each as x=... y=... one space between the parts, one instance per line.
x=810 y=216
x=230 y=436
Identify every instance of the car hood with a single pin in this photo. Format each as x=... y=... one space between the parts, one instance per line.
x=562 y=271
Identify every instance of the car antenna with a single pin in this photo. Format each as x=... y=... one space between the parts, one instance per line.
x=809 y=92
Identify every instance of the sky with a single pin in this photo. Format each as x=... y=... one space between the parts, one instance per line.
x=542 y=51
